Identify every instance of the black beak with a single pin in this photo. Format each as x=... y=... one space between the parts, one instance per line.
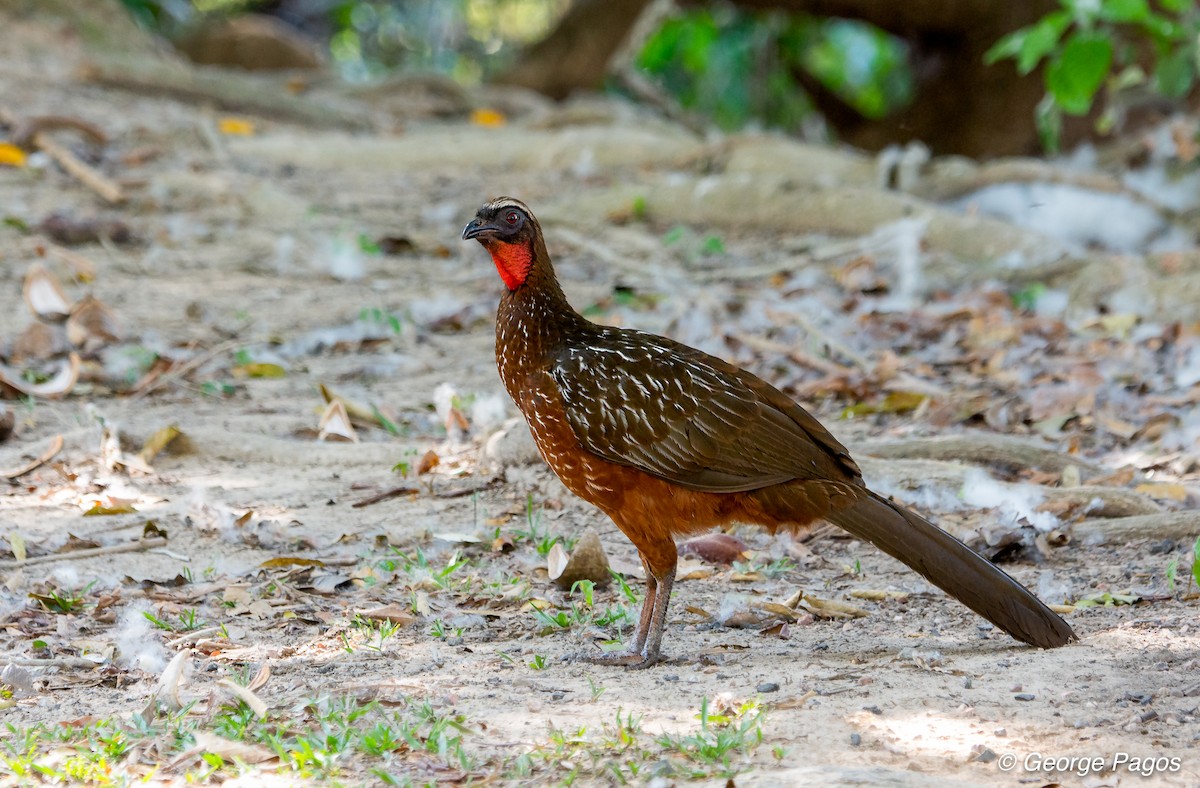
x=478 y=227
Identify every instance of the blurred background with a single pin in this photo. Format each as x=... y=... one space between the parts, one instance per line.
x=974 y=77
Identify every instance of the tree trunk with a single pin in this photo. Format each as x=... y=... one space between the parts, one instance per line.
x=575 y=55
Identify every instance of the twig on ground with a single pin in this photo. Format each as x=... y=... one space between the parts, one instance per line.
x=395 y=492
x=74 y=555
x=51 y=662
x=56 y=444
x=80 y=170
x=172 y=376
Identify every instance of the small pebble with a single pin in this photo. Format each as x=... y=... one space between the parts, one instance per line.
x=768 y=686
x=1024 y=696
x=967 y=683
x=986 y=755
x=873 y=709
x=855 y=739
x=1000 y=732
x=1148 y=716
x=1165 y=546
x=556 y=696
x=671 y=677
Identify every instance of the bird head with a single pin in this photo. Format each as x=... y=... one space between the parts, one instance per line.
x=508 y=230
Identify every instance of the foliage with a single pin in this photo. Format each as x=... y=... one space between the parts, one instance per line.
x=1090 y=44
x=466 y=39
x=739 y=67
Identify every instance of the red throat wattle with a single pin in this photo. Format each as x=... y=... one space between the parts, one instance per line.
x=513 y=261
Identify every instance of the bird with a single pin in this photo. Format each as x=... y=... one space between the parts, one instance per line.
x=668 y=441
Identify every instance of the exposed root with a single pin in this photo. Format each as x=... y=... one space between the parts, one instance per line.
x=1119 y=530
x=1006 y=451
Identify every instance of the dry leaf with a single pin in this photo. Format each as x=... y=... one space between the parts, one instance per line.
x=335 y=424
x=829 y=608
x=488 y=118
x=556 y=561
x=393 y=613
x=260 y=679
x=715 y=548
x=358 y=412
x=429 y=460
x=282 y=562
x=38 y=342
x=16 y=543
x=691 y=569
x=11 y=155
x=236 y=127
x=255 y=703
x=878 y=596
x=92 y=325
x=1163 y=491
x=259 y=369
x=230 y=750
x=59 y=385
x=587 y=562
x=44 y=295
x=157 y=442
x=98 y=509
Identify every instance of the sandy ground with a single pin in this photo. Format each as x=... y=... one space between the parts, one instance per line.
x=241 y=253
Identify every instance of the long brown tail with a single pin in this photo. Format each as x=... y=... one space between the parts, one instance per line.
x=955 y=568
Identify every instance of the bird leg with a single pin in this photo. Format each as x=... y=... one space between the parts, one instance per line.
x=643 y=650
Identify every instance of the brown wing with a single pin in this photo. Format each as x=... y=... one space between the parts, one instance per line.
x=674 y=412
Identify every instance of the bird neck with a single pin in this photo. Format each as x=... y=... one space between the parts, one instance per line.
x=534 y=317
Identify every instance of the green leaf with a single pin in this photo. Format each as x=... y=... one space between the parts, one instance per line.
x=1175 y=73
x=1048 y=118
x=1078 y=71
x=1196 y=561
x=1124 y=10
x=1006 y=47
x=1041 y=40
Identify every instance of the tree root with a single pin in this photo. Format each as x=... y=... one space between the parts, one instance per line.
x=1061 y=501
x=1119 y=530
x=228 y=90
x=1005 y=451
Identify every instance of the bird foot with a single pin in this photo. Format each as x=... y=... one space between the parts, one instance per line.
x=632 y=660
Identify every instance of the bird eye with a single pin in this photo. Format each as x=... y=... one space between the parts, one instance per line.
x=512 y=218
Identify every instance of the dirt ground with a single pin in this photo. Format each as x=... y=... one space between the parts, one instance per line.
x=251 y=251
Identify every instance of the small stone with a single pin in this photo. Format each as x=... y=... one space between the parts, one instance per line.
x=873 y=709
x=1026 y=696
x=1148 y=716
x=768 y=686
x=671 y=677
x=1164 y=546
x=1000 y=732
x=986 y=755
x=556 y=696
x=967 y=683
x=855 y=739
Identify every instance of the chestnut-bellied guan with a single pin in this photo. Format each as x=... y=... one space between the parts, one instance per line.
x=667 y=441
